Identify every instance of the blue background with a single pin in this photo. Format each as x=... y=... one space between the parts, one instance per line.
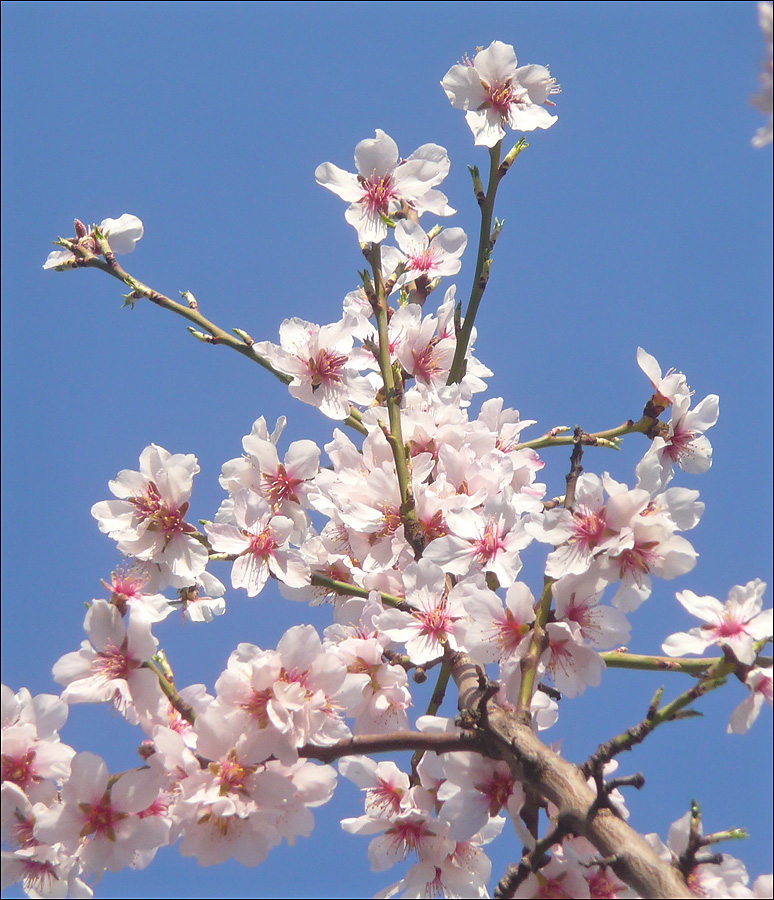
x=643 y=217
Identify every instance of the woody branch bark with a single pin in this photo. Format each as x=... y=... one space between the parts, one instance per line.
x=509 y=736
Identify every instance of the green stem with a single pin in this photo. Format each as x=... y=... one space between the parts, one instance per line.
x=218 y=335
x=713 y=677
x=159 y=668
x=606 y=438
x=529 y=664
x=614 y=659
x=213 y=333
x=352 y=590
x=391 y=394
x=457 y=369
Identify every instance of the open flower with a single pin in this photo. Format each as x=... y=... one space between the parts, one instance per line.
x=323 y=364
x=496 y=92
x=260 y=541
x=385 y=184
x=737 y=624
x=424 y=256
x=148 y=518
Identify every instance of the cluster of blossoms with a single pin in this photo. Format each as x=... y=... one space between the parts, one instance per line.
x=414 y=535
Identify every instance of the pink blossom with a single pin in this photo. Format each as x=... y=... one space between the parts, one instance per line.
x=260 y=541
x=571 y=664
x=385 y=184
x=737 y=624
x=488 y=541
x=666 y=387
x=148 y=518
x=110 y=666
x=424 y=256
x=495 y=633
x=103 y=816
x=438 y=619
x=322 y=364
x=496 y=92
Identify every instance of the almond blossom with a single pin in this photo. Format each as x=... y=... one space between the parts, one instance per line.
x=148 y=519
x=725 y=876
x=485 y=541
x=101 y=818
x=33 y=757
x=737 y=624
x=110 y=666
x=260 y=541
x=495 y=633
x=437 y=620
x=386 y=185
x=475 y=791
x=681 y=441
x=423 y=256
x=495 y=91
x=413 y=534
x=571 y=664
x=410 y=828
x=577 y=600
x=322 y=363
x=667 y=386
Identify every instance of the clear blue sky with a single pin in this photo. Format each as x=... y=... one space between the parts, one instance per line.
x=643 y=217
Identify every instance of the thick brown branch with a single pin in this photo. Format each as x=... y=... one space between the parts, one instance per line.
x=509 y=736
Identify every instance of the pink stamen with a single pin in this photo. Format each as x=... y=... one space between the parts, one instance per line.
x=489 y=544
x=280 y=486
x=326 y=368
x=378 y=191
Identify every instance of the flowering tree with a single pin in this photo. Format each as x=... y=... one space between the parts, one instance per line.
x=411 y=528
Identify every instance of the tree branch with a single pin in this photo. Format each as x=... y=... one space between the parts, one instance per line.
x=362 y=744
x=509 y=736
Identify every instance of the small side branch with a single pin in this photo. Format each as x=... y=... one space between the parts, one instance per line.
x=363 y=744
x=714 y=676
x=576 y=469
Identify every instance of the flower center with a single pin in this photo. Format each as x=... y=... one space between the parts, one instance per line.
x=589 y=528
x=385 y=796
x=510 y=634
x=232 y=774
x=262 y=544
x=162 y=518
x=424 y=259
x=378 y=190
x=436 y=622
x=280 y=486
x=101 y=817
x=18 y=769
x=326 y=368
x=502 y=97
x=498 y=789
x=112 y=663
x=638 y=560
x=489 y=543
x=678 y=445
x=427 y=362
